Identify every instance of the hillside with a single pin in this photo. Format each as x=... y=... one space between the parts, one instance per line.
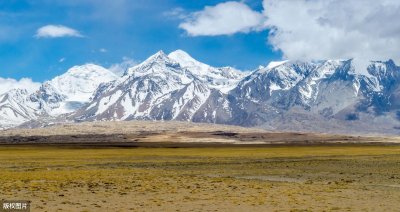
x=173 y=134
x=327 y=96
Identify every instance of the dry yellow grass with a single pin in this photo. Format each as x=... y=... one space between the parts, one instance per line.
x=315 y=178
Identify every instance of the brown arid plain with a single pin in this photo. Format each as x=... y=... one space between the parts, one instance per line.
x=180 y=166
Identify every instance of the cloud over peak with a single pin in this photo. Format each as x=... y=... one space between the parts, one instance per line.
x=223 y=19
x=306 y=30
x=8 y=84
x=56 y=31
x=332 y=29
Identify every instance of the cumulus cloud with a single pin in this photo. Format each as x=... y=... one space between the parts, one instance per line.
x=56 y=31
x=120 y=68
x=8 y=84
x=362 y=30
x=334 y=29
x=223 y=19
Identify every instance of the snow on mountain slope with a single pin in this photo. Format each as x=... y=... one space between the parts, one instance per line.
x=79 y=82
x=274 y=64
x=160 y=65
x=325 y=72
x=326 y=89
x=159 y=88
x=263 y=83
x=63 y=94
x=15 y=108
x=223 y=79
x=177 y=87
x=72 y=89
x=288 y=94
x=289 y=82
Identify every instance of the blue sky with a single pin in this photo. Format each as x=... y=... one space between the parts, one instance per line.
x=113 y=29
x=40 y=39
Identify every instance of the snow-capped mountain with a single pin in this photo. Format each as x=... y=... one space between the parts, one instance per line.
x=70 y=91
x=223 y=79
x=300 y=83
x=160 y=88
x=281 y=95
x=15 y=108
x=327 y=96
x=63 y=94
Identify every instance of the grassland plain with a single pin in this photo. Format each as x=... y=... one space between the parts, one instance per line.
x=276 y=178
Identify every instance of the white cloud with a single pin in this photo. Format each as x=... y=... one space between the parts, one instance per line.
x=120 y=68
x=56 y=31
x=103 y=50
x=24 y=83
x=333 y=29
x=223 y=19
x=362 y=30
x=61 y=60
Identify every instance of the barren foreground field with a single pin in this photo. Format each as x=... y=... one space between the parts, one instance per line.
x=172 y=134
x=276 y=178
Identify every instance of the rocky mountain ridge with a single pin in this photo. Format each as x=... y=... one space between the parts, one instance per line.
x=324 y=96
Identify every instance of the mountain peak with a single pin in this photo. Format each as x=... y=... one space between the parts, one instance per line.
x=79 y=82
x=87 y=70
x=274 y=64
x=160 y=55
x=389 y=63
x=157 y=63
x=179 y=52
x=183 y=58
x=158 y=58
x=14 y=93
x=187 y=61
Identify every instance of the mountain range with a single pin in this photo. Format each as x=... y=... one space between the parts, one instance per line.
x=324 y=96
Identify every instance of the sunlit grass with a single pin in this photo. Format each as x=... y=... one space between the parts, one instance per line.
x=258 y=178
